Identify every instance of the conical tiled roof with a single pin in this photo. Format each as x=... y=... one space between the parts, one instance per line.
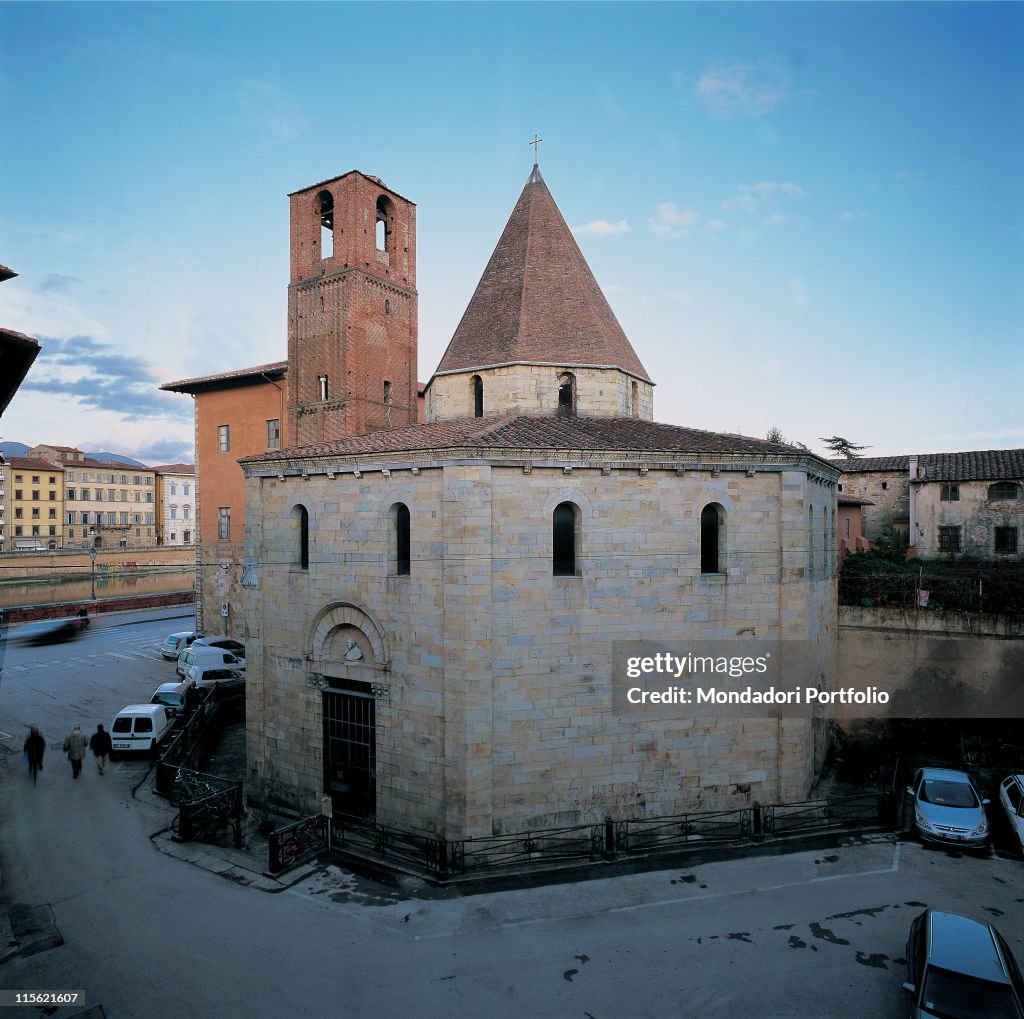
x=537 y=301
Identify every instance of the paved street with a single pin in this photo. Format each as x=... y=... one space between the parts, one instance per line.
x=809 y=934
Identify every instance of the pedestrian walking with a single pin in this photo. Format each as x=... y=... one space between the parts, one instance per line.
x=35 y=747
x=99 y=744
x=74 y=747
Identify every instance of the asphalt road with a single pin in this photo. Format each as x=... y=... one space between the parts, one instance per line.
x=814 y=934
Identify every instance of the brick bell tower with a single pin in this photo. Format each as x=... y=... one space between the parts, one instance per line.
x=352 y=307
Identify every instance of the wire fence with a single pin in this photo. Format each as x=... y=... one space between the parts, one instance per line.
x=997 y=589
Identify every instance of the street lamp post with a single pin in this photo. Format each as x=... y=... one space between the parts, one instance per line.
x=92 y=571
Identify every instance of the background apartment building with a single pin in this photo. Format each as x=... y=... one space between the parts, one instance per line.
x=176 y=497
x=34 y=499
x=105 y=504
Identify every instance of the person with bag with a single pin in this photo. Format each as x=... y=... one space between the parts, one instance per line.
x=35 y=747
x=100 y=746
x=74 y=747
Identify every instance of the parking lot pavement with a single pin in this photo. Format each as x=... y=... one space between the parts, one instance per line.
x=805 y=934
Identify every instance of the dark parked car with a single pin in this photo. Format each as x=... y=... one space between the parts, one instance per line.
x=178 y=698
x=959 y=968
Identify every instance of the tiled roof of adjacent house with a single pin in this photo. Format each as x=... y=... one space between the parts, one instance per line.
x=537 y=301
x=32 y=463
x=857 y=465
x=523 y=432
x=105 y=464
x=223 y=380
x=976 y=465
x=175 y=469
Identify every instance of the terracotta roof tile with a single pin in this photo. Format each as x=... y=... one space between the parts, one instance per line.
x=537 y=301
x=239 y=375
x=32 y=463
x=522 y=432
x=975 y=465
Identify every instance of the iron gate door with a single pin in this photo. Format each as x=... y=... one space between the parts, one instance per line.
x=350 y=761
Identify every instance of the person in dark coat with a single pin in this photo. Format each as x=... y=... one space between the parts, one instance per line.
x=35 y=747
x=99 y=744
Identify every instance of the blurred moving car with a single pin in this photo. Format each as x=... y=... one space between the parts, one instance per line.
x=48 y=631
x=214 y=675
x=1011 y=798
x=177 y=642
x=236 y=647
x=948 y=809
x=959 y=968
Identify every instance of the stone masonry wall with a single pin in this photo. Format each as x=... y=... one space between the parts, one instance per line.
x=496 y=703
x=533 y=389
x=973 y=512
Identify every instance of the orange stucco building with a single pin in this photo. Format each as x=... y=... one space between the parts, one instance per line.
x=237 y=414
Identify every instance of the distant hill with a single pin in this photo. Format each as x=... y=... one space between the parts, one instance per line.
x=20 y=449
x=119 y=457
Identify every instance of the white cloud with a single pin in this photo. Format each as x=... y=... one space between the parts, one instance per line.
x=601 y=228
x=714 y=226
x=671 y=221
x=747 y=89
x=753 y=197
x=775 y=219
x=908 y=175
x=679 y=297
x=851 y=217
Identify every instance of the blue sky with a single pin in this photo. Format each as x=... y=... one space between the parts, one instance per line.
x=807 y=216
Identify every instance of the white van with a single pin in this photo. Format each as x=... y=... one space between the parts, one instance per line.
x=201 y=676
x=140 y=727
x=203 y=655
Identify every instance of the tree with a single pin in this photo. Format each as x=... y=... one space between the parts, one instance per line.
x=843 y=447
x=775 y=435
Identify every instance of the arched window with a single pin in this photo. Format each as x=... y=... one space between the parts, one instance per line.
x=401 y=561
x=564 y=534
x=567 y=393
x=1004 y=490
x=326 y=201
x=300 y=528
x=477 y=392
x=712 y=538
x=385 y=217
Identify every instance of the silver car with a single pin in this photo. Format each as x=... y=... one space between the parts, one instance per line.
x=948 y=808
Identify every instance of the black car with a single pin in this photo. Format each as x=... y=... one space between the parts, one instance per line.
x=959 y=968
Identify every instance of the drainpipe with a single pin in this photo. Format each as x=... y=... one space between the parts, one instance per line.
x=912 y=510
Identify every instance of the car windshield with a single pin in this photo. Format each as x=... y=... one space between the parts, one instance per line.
x=945 y=793
x=173 y=699
x=950 y=995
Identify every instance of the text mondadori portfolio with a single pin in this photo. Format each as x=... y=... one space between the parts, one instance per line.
x=748 y=695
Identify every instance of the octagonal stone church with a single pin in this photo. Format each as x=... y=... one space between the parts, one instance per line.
x=433 y=608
